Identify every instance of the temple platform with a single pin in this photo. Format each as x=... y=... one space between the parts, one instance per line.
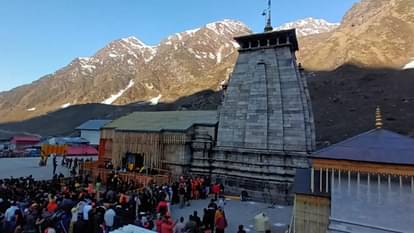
x=238 y=212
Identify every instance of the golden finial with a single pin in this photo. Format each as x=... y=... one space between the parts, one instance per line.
x=378 y=118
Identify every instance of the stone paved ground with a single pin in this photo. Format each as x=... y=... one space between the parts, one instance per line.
x=238 y=212
x=18 y=167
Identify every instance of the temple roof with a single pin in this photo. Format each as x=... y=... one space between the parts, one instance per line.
x=163 y=121
x=377 y=146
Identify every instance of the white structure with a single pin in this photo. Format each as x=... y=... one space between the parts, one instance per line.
x=90 y=130
x=132 y=229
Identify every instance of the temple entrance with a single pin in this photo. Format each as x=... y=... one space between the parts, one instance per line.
x=134 y=161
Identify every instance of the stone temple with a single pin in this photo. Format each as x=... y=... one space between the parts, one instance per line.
x=266 y=127
x=263 y=131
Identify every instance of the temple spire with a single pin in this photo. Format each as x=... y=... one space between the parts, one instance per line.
x=378 y=118
x=268 y=14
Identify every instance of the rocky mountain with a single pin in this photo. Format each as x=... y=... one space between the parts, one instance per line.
x=128 y=70
x=309 y=26
x=338 y=98
x=373 y=33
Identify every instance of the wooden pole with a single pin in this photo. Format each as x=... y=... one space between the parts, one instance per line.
x=320 y=180
x=368 y=189
x=389 y=183
x=312 y=179
x=339 y=178
x=358 y=181
x=379 y=186
x=412 y=184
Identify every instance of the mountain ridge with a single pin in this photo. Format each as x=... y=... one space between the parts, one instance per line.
x=373 y=33
x=309 y=26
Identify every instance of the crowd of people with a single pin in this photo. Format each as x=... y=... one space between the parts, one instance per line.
x=78 y=205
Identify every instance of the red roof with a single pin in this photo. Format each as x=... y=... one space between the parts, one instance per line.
x=25 y=138
x=81 y=150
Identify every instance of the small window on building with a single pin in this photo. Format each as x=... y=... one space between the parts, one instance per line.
x=282 y=40
x=263 y=43
x=255 y=44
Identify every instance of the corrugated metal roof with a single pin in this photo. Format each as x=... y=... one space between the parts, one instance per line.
x=164 y=120
x=378 y=146
x=68 y=140
x=93 y=125
x=26 y=138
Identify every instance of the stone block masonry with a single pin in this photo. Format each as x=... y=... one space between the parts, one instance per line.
x=266 y=127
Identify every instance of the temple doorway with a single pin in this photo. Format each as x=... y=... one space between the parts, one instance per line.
x=134 y=161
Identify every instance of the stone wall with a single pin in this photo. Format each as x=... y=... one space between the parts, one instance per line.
x=266 y=104
x=265 y=175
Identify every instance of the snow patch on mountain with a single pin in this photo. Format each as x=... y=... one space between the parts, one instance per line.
x=155 y=100
x=149 y=86
x=31 y=109
x=87 y=64
x=309 y=26
x=409 y=65
x=219 y=53
x=192 y=31
x=196 y=55
x=134 y=42
x=65 y=105
x=179 y=36
x=114 y=97
x=235 y=44
x=225 y=26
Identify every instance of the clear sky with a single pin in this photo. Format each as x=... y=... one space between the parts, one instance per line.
x=38 y=37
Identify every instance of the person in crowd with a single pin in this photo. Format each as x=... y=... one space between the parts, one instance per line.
x=109 y=217
x=54 y=164
x=167 y=226
x=216 y=190
x=179 y=226
x=197 y=219
x=220 y=221
x=221 y=202
x=9 y=218
x=241 y=229
x=159 y=224
x=191 y=225
x=162 y=207
x=182 y=194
